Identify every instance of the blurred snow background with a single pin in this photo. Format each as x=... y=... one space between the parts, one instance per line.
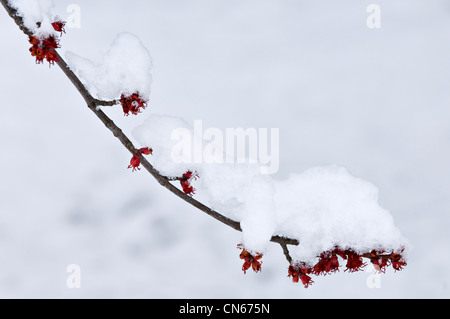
x=373 y=100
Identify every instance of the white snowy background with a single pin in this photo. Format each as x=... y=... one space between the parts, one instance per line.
x=372 y=100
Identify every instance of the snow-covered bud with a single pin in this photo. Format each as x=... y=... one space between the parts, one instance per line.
x=132 y=103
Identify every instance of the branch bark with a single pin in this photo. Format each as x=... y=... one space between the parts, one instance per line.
x=93 y=104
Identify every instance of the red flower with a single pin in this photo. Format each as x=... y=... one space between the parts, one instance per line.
x=250 y=260
x=34 y=41
x=185 y=182
x=306 y=280
x=187 y=188
x=132 y=103
x=294 y=273
x=51 y=57
x=334 y=263
x=146 y=151
x=300 y=271
x=320 y=267
x=38 y=53
x=59 y=26
x=354 y=261
x=189 y=175
x=135 y=162
x=397 y=261
x=328 y=263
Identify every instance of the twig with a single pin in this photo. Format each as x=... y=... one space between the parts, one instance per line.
x=286 y=252
x=105 y=103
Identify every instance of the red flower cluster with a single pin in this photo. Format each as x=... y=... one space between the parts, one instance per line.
x=132 y=103
x=45 y=48
x=354 y=261
x=136 y=160
x=250 y=260
x=185 y=182
x=380 y=260
x=300 y=271
x=328 y=263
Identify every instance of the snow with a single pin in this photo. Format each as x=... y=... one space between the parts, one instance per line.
x=33 y=12
x=258 y=221
x=323 y=207
x=125 y=68
x=162 y=134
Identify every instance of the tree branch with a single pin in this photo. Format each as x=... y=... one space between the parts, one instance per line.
x=105 y=103
x=93 y=104
x=286 y=252
x=17 y=19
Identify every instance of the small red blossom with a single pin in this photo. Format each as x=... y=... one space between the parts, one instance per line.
x=306 y=280
x=38 y=53
x=59 y=26
x=188 y=189
x=146 y=151
x=294 y=273
x=300 y=272
x=185 y=182
x=328 y=263
x=250 y=260
x=34 y=41
x=397 y=261
x=132 y=103
x=136 y=160
x=51 y=57
x=354 y=261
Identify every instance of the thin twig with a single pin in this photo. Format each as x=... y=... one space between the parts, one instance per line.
x=105 y=103
x=286 y=252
